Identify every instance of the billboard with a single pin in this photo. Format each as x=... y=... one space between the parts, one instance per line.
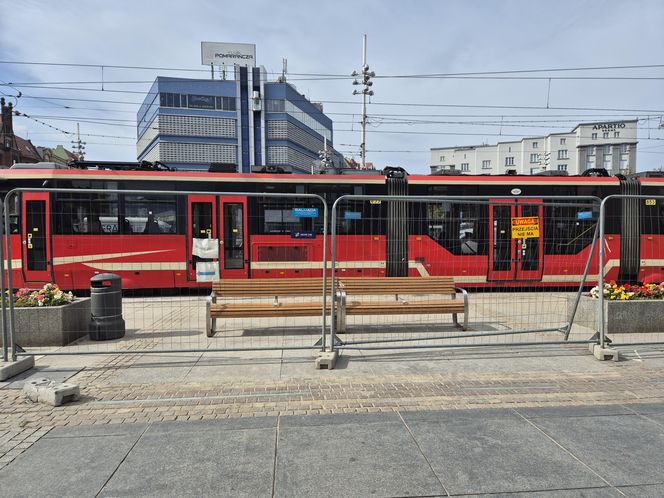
x=228 y=54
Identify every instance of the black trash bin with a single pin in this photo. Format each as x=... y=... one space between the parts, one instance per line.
x=106 y=321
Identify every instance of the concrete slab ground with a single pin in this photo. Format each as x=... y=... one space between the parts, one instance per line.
x=536 y=452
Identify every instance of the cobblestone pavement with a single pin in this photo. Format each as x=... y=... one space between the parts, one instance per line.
x=105 y=401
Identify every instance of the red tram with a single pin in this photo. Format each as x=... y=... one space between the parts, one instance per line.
x=147 y=239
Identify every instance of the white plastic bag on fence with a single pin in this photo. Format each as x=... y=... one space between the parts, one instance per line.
x=205 y=248
x=207 y=271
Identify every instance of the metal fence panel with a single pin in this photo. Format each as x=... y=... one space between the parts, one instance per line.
x=162 y=244
x=524 y=263
x=630 y=264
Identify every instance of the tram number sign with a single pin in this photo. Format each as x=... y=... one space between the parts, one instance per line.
x=525 y=228
x=651 y=202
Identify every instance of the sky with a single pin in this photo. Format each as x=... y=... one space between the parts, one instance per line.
x=408 y=42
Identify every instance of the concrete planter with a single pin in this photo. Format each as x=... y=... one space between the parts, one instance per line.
x=626 y=317
x=52 y=325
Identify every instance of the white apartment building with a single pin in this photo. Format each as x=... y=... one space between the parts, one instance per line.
x=608 y=145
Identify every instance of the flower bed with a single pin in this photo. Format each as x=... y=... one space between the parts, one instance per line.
x=627 y=292
x=49 y=295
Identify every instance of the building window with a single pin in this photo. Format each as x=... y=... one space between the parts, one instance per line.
x=562 y=167
x=465 y=167
x=562 y=141
x=562 y=154
x=275 y=105
x=486 y=164
x=607 y=150
x=442 y=158
x=535 y=145
x=616 y=134
x=624 y=148
x=509 y=149
x=605 y=134
x=624 y=163
x=607 y=162
x=534 y=158
x=509 y=161
x=208 y=102
x=464 y=156
x=590 y=163
x=591 y=151
x=594 y=136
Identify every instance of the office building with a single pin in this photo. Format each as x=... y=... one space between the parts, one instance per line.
x=243 y=124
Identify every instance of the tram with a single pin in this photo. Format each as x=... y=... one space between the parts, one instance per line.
x=149 y=238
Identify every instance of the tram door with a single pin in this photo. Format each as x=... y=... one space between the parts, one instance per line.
x=515 y=240
x=202 y=228
x=234 y=249
x=35 y=238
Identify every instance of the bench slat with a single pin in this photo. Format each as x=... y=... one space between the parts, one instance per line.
x=262 y=309
x=392 y=307
x=397 y=285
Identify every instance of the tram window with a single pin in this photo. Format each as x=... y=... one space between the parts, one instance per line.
x=83 y=213
x=276 y=216
x=150 y=214
x=14 y=215
x=568 y=230
x=652 y=218
x=459 y=228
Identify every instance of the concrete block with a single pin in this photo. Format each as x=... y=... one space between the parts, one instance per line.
x=604 y=353
x=9 y=369
x=326 y=360
x=620 y=317
x=51 y=392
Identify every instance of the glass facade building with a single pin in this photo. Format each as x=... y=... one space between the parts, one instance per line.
x=248 y=122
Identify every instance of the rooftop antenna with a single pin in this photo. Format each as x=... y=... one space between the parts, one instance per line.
x=284 y=70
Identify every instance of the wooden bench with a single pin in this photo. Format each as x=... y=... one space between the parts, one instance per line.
x=399 y=287
x=275 y=289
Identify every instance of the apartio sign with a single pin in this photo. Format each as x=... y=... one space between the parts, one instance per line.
x=608 y=126
x=228 y=54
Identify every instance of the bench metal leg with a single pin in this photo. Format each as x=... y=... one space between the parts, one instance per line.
x=456 y=321
x=341 y=312
x=210 y=322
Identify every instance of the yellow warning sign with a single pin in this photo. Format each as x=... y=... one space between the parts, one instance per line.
x=525 y=228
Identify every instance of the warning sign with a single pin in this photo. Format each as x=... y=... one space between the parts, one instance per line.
x=525 y=228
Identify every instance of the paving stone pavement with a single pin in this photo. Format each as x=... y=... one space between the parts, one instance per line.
x=123 y=389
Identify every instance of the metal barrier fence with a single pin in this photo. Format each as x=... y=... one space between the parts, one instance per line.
x=167 y=246
x=634 y=263
x=524 y=264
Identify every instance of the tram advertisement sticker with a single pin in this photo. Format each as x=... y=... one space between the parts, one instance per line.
x=525 y=228
x=304 y=212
